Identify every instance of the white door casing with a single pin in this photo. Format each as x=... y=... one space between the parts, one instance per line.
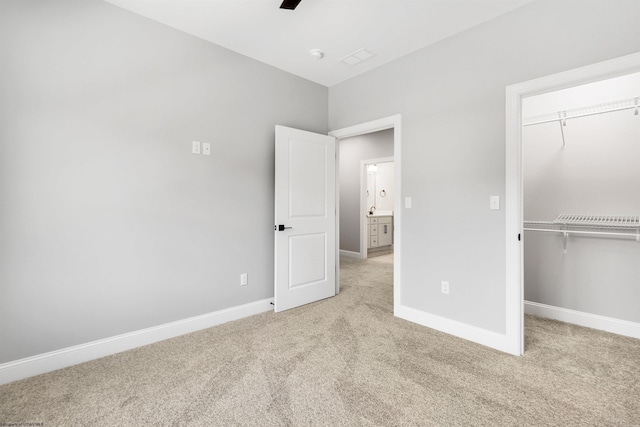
x=305 y=193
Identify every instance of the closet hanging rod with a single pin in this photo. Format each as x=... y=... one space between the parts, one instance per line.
x=601 y=233
x=563 y=116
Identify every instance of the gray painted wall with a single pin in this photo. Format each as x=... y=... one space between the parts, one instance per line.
x=108 y=223
x=596 y=173
x=352 y=152
x=452 y=99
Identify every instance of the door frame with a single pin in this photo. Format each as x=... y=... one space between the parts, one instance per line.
x=364 y=232
x=514 y=191
x=390 y=122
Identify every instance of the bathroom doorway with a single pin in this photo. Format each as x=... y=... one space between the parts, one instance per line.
x=366 y=163
x=393 y=124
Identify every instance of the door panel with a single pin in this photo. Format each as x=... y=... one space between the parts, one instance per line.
x=305 y=250
x=307 y=259
x=307 y=178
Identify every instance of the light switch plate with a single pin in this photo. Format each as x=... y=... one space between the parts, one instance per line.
x=445 y=287
x=407 y=202
x=494 y=203
x=195 y=147
x=206 y=148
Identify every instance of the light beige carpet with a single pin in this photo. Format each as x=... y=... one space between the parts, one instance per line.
x=341 y=362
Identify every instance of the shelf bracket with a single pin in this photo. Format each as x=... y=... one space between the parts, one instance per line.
x=565 y=237
x=562 y=119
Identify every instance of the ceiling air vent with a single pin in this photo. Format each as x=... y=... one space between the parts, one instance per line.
x=357 y=57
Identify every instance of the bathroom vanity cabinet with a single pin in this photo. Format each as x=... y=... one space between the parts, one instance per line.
x=380 y=231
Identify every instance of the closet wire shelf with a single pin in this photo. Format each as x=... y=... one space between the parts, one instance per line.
x=562 y=116
x=600 y=225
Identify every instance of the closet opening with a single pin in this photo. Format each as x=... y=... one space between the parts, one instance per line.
x=581 y=223
x=572 y=210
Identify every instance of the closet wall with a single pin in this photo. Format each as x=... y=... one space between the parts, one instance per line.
x=596 y=173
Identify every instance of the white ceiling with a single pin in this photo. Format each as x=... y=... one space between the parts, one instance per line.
x=283 y=38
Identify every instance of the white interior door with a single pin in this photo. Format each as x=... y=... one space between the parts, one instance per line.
x=305 y=237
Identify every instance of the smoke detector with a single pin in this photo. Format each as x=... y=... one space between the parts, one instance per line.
x=316 y=53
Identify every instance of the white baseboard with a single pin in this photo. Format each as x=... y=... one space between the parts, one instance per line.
x=351 y=254
x=58 y=359
x=609 y=324
x=380 y=248
x=461 y=330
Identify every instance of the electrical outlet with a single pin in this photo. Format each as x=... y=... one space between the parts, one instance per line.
x=445 y=287
x=244 y=279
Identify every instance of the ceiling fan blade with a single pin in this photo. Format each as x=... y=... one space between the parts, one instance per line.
x=289 y=4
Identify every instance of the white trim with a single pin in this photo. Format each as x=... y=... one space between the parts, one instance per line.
x=461 y=330
x=47 y=362
x=337 y=212
x=513 y=216
x=351 y=254
x=380 y=248
x=364 y=232
x=513 y=158
x=368 y=127
x=394 y=122
x=595 y=321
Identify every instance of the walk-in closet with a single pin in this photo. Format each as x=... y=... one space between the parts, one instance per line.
x=581 y=183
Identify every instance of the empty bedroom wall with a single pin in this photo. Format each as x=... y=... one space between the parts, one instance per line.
x=108 y=223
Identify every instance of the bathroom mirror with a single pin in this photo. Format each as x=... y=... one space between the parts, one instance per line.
x=380 y=178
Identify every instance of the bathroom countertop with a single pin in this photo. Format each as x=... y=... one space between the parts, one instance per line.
x=380 y=213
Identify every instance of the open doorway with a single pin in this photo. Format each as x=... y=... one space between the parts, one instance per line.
x=515 y=219
x=580 y=147
x=392 y=125
x=366 y=187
